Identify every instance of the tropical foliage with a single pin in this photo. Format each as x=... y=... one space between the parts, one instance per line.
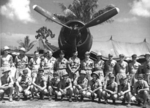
x=44 y=33
x=26 y=43
x=83 y=10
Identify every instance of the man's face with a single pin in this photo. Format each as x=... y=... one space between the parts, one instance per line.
x=61 y=56
x=147 y=57
x=75 y=54
x=25 y=75
x=49 y=54
x=41 y=73
x=55 y=76
x=6 y=52
x=98 y=57
x=65 y=77
x=36 y=55
x=87 y=56
x=140 y=79
x=22 y=52
x=111 y=79
x=134 y=58
x=94 y=77
x=82 y=75
x=121 y=58
x=110 y=58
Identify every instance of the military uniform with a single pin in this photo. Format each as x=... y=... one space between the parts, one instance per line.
x=110 y=67
x=34 y=65
x=39 y=86
x=110 y=89
x=21 y=63
x=6 y=85
x=88 y=65
x=74 y=65
x=61 y=66
x=80 y=86
x=49 y=64
x=99 y=66
x=133 y=71
x=122 y=70
x=125 y=91
x=145 y=69
x=7 y=62
x=23 y=85
x=53 y=85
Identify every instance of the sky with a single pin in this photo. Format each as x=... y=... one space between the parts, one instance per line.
x=18 y=19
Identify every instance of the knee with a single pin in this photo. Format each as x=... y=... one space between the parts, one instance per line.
x=49 y=88
x=114 y=96
x=1 y=92
x=27 y=93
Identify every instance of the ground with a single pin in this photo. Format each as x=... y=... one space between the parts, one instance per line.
x=57 y=104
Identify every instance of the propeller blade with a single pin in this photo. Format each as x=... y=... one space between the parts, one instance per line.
x=101 y=18
x=48 y=15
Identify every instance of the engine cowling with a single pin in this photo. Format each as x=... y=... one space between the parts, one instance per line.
x=83 y=39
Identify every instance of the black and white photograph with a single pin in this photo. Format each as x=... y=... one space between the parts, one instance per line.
x=74 y=53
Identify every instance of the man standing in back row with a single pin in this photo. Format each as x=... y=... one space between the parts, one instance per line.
x=87 y=65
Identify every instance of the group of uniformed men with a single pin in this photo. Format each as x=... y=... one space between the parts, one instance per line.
x=47 y=76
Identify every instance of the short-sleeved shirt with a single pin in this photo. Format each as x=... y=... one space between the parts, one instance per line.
x=24 y=81
x=64 y=84
x=6 y=61
x=4 y=80
x=41 y=80
x=122 y=67
x=21 y=62
x=83 y=82
x=94 y=84
x=61 y=64
x=111 y=85
x=74 y=63
x=99 y=65
x=133 y=67
x=109 y=65
x=142 y=85
x=87 y=64
x=49 y=63
x=146 y=68
x=35 y=63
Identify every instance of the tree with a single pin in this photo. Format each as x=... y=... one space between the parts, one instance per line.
x=83 y=10
x=26 y=43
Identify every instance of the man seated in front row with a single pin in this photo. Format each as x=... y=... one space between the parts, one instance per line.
x=6 y=85
x=95 y=87
x=80 y=85
x=141 y=90
x=110 y=89
x=65 y=87
x=53 y=85
x=125 y=91
x=39 y=86
x=23 y=85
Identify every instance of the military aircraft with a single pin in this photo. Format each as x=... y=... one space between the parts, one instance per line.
x=75 y=35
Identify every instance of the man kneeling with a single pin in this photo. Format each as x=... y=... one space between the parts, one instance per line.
x=95 y=87
x=110 y=89
x=80 y=85
x=6 y=85
x=65 y=87
x=124 y=91
x=141 y=90
x=38 y=87
x=53 y=85
x=23 y=85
